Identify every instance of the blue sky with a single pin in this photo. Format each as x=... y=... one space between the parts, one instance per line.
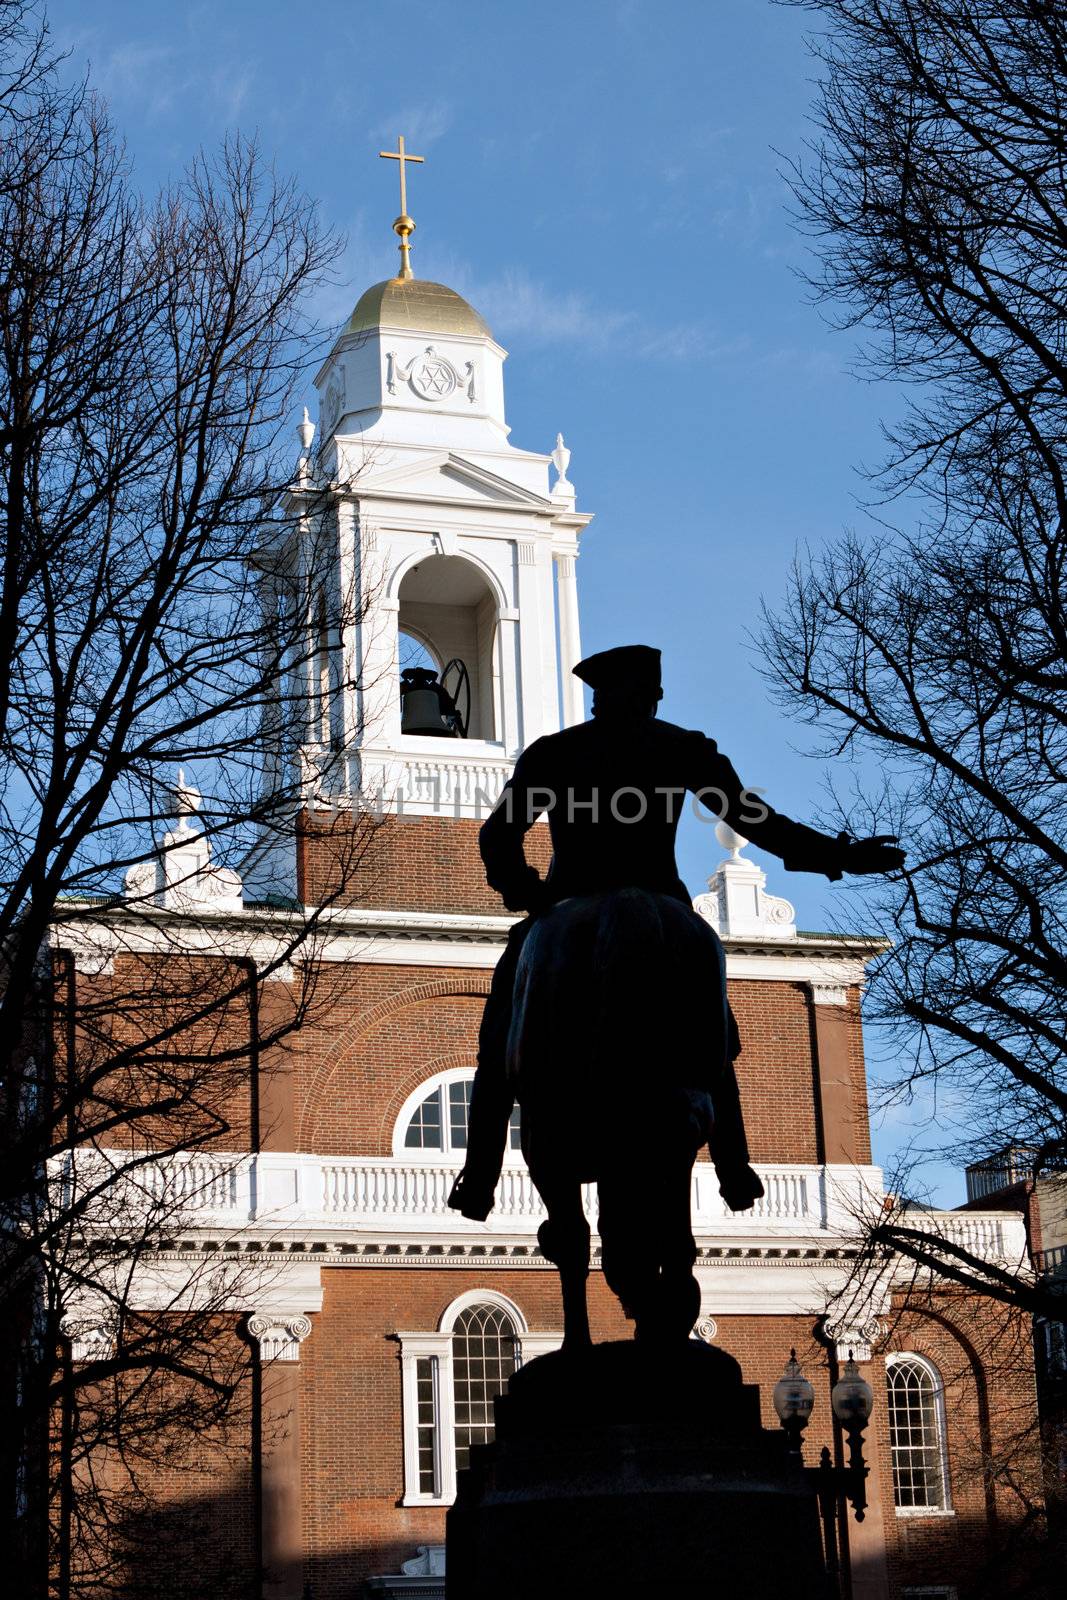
x=601 y=182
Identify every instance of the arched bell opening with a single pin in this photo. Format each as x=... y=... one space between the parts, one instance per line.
x=448 y=613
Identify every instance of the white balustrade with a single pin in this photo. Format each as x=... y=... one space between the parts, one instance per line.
x=445 y=777
x=282 y=1194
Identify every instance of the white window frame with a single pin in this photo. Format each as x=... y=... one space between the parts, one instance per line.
x=1053 y=1346
x=945 y=1509
x=439 y=1081
x=437 y=1347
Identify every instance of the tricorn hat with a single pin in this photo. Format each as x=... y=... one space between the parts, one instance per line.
x=628 y=666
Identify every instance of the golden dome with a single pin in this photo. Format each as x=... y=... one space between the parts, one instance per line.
x=415 y=303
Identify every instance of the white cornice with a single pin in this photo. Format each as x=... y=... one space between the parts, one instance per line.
x=372 y=935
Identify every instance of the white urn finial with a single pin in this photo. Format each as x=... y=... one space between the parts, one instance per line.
x=730 y=840
x=561 y=460
x=306 y=430
x=187 y=801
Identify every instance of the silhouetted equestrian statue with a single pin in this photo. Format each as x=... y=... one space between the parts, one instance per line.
x=607 y=1019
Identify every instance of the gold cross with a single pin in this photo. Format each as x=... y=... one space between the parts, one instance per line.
x=404 y=227
x=402 y=156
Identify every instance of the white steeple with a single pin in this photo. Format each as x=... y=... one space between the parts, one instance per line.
x=454 y=543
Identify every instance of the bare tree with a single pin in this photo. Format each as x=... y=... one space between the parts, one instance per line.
x=937 y=651
x=159 y=608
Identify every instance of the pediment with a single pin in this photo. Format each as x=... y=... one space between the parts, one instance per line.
x=450 y=477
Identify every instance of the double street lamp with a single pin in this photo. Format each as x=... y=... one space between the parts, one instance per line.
x=851 y=1400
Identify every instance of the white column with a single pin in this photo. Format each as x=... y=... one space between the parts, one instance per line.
x=508 y=646
x=570 y=644
x=531 y=660
x=376 y=655
x=281 y=1479
x=546 y=616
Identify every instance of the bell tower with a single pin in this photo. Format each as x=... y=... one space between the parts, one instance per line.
x=457 y=551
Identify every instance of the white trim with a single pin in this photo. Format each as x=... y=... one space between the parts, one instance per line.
x=418 y=558
x=444 y=1151
x=411 y=632
x=279 y=1338
x=359 y=935
x=437 y=1347
x=481 y=1297
x=898 y=1358
x=532 y=1345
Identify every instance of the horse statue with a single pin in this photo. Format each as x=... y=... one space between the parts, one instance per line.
x=607 y=1019
x=609 y=1033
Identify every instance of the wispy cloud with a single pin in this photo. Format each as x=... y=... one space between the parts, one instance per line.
x=421 y=124
x=523 y=306
x=160 y=77
x=518 y=306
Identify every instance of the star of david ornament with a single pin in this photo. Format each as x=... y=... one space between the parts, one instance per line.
x=432 y=377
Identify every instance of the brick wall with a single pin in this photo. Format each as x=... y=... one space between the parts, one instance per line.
x=985 y=1545
x=376 y=1032
x=403 y=863
x=198 y=1060
x=353 y=1435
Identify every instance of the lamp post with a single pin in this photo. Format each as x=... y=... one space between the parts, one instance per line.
x=794 y=1397
x=851 y=1400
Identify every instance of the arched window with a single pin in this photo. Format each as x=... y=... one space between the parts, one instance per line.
x=483 y=1359
x=415 y=652
x=917 y=1434
x=450 y=1379
x=434 y=1120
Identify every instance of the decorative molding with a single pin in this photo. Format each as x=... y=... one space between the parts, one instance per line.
x=737 y=903
x=364 y=936
x=828 y=994
x=91 y=1332
x=279 y=1339
x=431 y=376
x=448 y=782
x=853 y=1337
x=181 y=875
x=333 y=401
x=561 y=460
x=429 y=1562
x=527 y=552
x=706 y=1329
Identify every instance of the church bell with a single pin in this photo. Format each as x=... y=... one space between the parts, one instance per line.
x=426 y=707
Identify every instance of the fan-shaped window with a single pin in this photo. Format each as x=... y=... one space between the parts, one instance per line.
x=917 y=1434
x=439 y=1120
x=415 y=652
x=483 y=1359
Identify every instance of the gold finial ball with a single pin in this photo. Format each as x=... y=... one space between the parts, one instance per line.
x=404 y=225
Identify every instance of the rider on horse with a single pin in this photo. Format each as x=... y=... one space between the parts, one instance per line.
x=613 y=790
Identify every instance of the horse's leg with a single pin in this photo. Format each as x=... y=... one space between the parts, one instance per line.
x=564 y=1240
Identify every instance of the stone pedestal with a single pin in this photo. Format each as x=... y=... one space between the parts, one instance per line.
x=631 y=1472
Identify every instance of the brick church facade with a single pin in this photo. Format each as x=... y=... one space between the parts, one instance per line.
x=380 y=1323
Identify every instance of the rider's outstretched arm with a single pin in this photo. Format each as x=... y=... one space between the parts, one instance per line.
x=801 y=849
